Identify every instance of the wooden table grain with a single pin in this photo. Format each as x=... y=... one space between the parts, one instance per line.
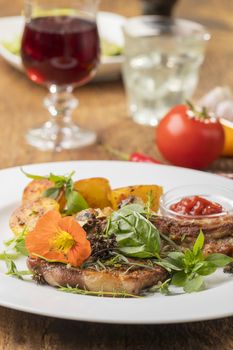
x=103 y=108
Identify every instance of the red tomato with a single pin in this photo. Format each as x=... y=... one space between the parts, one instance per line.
x=189 y=138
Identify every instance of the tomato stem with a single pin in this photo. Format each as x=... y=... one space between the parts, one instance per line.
x=199 y=114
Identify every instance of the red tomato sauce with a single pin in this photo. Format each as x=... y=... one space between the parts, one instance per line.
x=195 y=206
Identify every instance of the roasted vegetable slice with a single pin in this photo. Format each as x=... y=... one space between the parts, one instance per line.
x=96 y=191
x=140 y=191
x=26 y=216
x=35 y=189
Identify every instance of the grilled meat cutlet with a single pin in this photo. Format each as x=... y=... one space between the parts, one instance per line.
x=218 y=232
x=121 y=279
x=113 y=280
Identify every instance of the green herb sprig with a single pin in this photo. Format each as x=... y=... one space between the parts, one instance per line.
x=13 y=271
x=18 y=243
x=75 y=202
x=188 y=268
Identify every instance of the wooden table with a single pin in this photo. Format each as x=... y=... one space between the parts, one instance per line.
x=103 y=108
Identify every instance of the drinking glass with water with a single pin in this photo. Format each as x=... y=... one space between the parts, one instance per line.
x=162 y=61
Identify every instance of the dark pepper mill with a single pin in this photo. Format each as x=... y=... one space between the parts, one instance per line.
x=158 y=7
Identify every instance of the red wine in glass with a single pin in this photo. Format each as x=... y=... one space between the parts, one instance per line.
x=60 y=50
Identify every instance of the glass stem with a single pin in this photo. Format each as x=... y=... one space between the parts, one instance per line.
x=60 y=103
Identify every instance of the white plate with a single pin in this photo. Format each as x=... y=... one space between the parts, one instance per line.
x=109 y=25
x=214 y=302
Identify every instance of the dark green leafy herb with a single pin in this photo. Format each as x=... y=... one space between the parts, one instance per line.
x=63 y=184
x=188 y=268
x=136 y=236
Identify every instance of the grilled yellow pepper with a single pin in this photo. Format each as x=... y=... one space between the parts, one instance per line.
x=228 y=145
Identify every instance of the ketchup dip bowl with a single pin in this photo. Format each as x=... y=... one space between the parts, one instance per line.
x=221 y=196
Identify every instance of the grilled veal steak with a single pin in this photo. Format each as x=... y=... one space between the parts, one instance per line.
x=218 y=232
x=110 y=280
x=218 y=239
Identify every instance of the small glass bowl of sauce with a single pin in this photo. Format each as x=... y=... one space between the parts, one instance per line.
x=197 y=202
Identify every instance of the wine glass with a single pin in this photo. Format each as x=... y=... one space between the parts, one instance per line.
x=60 y=50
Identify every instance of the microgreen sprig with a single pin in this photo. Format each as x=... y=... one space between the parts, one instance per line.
x=18 y=243
x=77 y=290
x=13 y=271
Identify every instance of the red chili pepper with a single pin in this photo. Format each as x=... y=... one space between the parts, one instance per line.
x=139 y=157
x=133 y=157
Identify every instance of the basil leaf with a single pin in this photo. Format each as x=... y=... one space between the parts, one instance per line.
x=206 y=269
x=57 y=178
x=219 y=260
x=199 y=243
x=189 y=259
x=136 y=236
x=52 y=192
x=75 y=203
x=176 y=258
x=194 y=285
x=198 y=266
x=33 y=177
x=179 y=279
x=61 y=180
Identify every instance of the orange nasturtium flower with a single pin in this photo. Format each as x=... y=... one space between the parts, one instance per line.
x=59 y=239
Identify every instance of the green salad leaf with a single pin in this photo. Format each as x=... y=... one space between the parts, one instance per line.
x=136 y=236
